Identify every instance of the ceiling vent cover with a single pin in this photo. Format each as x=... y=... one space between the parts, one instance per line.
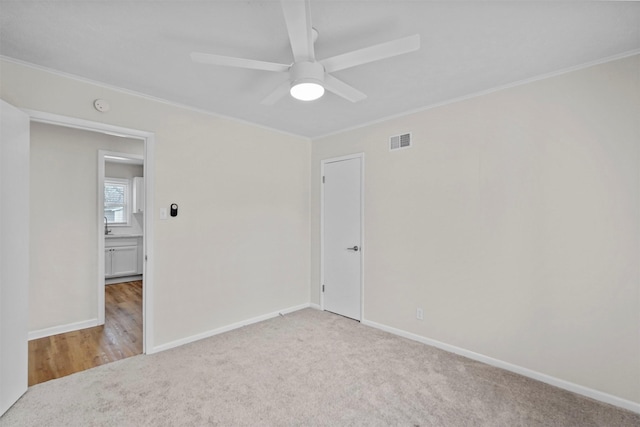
x=399 y=142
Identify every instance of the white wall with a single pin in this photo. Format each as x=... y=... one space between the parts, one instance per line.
x=514 y=223
x=240 y=246
x=63 y=244
x=123 y=170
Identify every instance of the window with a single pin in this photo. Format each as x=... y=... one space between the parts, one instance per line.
x=117 y=197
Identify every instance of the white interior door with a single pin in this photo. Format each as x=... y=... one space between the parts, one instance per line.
x=342 y=236
x=14 y=253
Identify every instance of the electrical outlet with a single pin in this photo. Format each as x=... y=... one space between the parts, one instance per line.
x=419 y=314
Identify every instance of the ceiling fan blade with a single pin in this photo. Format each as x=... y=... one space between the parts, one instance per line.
x=277 y=94
x=372 y=53
x=297 y=15
x=229 y=61
x=342 y=89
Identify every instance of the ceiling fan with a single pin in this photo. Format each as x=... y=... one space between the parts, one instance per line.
x=308 y=77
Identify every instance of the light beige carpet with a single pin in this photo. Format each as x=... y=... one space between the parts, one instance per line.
x=305 y=368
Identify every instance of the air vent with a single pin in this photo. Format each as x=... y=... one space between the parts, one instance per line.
x=399 y=142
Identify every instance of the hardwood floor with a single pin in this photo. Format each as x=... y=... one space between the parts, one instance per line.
x=120 y=337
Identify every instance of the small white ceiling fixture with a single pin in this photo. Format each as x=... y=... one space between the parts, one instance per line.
x=308 y=78
x=101 y=105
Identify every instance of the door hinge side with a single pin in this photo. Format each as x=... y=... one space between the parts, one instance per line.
x=323 y=179
x=322 y=288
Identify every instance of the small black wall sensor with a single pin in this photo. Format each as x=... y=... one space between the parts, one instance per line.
x=174 y=209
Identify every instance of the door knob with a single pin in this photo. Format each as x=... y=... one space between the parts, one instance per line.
x=355 y=248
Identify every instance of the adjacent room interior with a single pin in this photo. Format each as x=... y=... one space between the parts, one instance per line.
x=482 y=200
x=68 y=219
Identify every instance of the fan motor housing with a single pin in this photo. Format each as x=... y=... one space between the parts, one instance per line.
x=307 y=72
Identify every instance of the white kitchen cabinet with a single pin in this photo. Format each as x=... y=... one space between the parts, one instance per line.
x=121 y=257
x=138 y=194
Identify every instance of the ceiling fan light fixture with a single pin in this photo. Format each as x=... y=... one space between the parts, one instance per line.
x=307 y=80
x=307 y=91
x=309 y=77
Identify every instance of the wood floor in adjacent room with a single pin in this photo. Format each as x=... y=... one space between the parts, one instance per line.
x=120 y=337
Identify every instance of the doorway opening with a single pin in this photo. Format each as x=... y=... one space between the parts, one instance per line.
x=88 y=337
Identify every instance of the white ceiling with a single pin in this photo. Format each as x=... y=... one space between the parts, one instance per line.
x=467 y=47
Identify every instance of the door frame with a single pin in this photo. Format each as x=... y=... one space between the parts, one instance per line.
x=324 y=162
x=148 y=139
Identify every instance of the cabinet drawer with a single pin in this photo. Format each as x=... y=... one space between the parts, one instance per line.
x=117 y=242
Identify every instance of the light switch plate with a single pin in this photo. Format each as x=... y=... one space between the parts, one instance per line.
x=163 y=213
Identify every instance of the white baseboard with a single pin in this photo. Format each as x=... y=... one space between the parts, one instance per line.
x=226 y=328
x=557 y=382
x=315 y=306
x=55 y=330
x=123 y=279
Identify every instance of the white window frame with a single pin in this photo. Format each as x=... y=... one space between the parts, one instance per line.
x=127 y=200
